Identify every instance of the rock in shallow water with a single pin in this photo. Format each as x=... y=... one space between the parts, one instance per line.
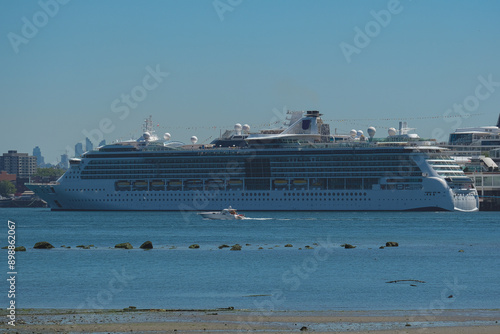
x=125 y=245
x=43 y=245
x=236 y=247
x=147 y=245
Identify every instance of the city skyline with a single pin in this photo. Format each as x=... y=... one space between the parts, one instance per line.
x=63 y=162
x=200 y=67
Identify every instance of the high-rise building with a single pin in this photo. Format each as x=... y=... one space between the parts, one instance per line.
x=103 y=142
x=78 y=150
x=20 y=164
x=64 y=161
x=88 y=145
x=40 y=161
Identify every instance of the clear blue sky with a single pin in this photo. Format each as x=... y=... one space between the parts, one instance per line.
x=245 y=62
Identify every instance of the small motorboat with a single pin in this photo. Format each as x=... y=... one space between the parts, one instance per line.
x=225 y=214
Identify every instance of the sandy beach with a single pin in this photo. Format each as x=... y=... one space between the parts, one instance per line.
x=234 y=321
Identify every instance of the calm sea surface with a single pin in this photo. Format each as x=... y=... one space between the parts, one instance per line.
x=326 y=277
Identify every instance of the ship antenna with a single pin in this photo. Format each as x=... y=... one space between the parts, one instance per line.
x=148 y=124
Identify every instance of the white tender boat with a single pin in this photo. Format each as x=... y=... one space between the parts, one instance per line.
x=225 y=214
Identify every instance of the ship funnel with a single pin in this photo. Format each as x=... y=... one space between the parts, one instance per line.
x=498 y=122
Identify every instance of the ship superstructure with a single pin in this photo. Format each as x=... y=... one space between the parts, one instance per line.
x=474 y=141
x=301 y=167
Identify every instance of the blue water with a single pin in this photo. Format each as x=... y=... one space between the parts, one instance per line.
x=327 y=277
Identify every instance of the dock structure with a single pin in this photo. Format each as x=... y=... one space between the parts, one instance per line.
x=488 y=189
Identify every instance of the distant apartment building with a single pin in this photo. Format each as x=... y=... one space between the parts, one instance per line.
x=88 y=145
x=21 y=164
x=78 y=150
x=64 y=161
x=39 y=158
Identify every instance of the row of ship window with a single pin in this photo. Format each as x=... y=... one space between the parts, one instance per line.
x=216 y=199
x=284 y=171
x=186 y=161
x=289 y=194
x=241 y=166
x=296 y=175
x=351 y=199
x=345 y=164
x=342 y=185
x=83 y=189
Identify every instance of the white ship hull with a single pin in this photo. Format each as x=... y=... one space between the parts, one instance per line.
x=100 y=195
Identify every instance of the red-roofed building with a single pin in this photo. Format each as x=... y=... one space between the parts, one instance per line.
x=4 y=176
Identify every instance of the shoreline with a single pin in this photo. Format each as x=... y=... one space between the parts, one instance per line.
x=227 y=320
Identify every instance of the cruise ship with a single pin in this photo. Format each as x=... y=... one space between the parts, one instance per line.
x=475 y=141
x=300 y=167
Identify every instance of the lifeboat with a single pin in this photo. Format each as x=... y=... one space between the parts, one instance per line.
x=235 y=182
x=175 y=183
x=299 y=182
x=141 y=185
x=193 y=183
x=157 y=183
x=280 y=182
x=217 y=183
x=122 y=184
